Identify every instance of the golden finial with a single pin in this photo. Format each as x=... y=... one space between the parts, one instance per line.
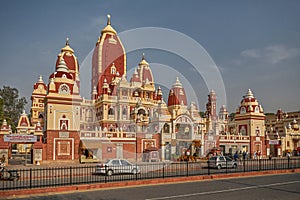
x=108 y=19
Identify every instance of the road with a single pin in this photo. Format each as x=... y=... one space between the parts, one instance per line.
x=284 y=186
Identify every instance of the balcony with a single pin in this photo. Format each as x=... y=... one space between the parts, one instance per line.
x=234 y=138
x=106 y=134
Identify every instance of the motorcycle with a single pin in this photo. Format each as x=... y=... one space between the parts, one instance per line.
x=6 y=174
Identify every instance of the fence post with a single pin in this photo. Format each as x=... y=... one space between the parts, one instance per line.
x=105 y=174
x=226 y=162
x=163 y=170
x=70 y=175
x=208 y=168
x=136 y=174
x=30 y=178
x=187 y=168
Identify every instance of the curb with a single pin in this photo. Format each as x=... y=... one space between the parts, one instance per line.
x=86 y=187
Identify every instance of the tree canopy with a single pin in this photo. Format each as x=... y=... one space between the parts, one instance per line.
x=11 y=106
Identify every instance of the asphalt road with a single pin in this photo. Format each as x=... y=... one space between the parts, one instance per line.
x=283 y=187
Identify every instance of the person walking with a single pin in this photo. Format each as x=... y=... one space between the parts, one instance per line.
x=236 y=156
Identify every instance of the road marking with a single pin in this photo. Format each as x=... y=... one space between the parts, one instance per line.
x=220 y=191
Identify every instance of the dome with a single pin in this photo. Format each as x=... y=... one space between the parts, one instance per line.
x=67 y=53
x=62 y=66
x=143 y=73
x=143 y=61
x=62 y=71
x=249 y=104
x=223 y=108
x=146 y=73
x=67 y=48
x=249 y=94
x=177 y=94
x=39 y=87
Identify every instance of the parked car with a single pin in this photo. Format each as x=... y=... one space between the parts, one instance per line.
x=222 y=162
x=117 y=166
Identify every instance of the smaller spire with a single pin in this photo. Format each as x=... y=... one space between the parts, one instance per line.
x=67 y=47
x=94 y=90
x=249 y=94
x=67 y=41
x=143 y=61
x=62 y=66
x=108 y=19
x=108 y=28
x=51 y=80
x=41 y=79
x=177 y=83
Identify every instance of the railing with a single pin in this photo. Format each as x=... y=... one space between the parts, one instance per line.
x=87 y=174
x=106 y=134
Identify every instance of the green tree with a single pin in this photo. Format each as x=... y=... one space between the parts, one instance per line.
x=12 y=105
x=1 y=111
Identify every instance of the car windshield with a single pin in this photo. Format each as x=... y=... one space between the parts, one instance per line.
x=221 y=158
x=115 y=162
x=125 y=163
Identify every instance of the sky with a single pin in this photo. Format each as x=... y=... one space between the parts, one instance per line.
x=253 y=45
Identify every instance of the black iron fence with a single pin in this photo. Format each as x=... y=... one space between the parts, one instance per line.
x=75 y=175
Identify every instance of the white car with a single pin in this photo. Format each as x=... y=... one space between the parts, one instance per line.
x=117 y=166
x=222 y=162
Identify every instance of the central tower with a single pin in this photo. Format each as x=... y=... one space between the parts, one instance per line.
x=108 y=62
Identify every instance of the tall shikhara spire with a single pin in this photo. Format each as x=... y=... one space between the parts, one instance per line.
x=109 y=59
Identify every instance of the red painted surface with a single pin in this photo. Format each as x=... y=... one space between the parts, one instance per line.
x=176 y=98
x=110 y=54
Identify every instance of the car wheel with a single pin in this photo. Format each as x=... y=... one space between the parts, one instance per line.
x=234 y=166
x=134 y=171
x=109 y=172
x=219 y=167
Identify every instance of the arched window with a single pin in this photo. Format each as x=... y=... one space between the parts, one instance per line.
x=63 y=123
x=113 y=69
x=124 y=112
x=243 y=130
x=166 y=128
x=41 y=115
x=243 y=110
x=111 y=111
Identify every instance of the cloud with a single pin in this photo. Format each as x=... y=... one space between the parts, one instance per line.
x=251 y=53
x=271 y=54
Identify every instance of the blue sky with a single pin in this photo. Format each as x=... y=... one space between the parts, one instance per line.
x=255 y=44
